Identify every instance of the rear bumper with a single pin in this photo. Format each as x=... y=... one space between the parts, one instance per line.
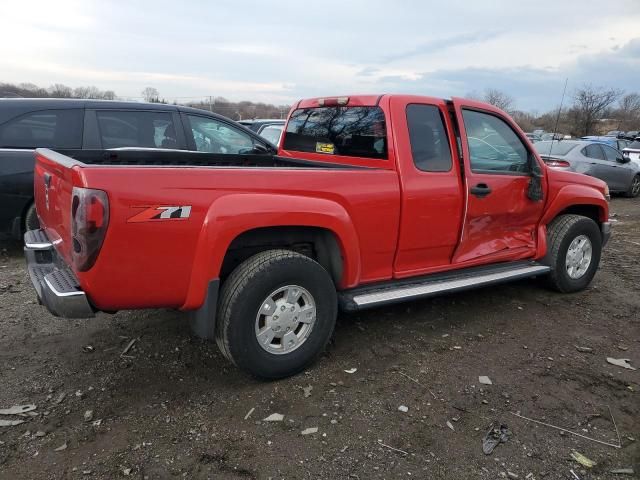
x=56 y=285
x=606 y=232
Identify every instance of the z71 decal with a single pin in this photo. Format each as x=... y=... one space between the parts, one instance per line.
x=161 y=212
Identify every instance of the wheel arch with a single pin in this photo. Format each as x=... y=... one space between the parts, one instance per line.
x=572 y=199
x=257 y=222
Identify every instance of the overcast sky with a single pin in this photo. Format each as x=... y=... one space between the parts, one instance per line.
x=279 y=51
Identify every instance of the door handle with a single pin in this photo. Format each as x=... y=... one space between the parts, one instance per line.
x=480 y=190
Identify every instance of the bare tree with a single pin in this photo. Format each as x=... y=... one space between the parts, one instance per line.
x=59 y=90
x=629 y=111
x=499 y=99
x=150 y=94
x=526 y=121
x=89 y=92
x=589 y=106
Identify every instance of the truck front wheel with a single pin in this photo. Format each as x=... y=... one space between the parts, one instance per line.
x=574 y=245
x=276 y=314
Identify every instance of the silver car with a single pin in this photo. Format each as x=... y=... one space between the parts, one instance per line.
x=595 y=159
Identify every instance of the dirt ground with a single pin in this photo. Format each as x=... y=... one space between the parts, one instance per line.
x=172 y=407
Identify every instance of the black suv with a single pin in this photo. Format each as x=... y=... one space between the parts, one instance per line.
x=69 y=124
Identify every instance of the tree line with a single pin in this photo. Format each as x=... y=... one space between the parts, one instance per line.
x=588 y=110
x=233 y=110
x=57 y=90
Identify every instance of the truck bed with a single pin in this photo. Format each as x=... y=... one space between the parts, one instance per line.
x=184 y=158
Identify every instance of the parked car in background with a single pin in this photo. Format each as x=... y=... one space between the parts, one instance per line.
x=615 y=142
x=633 y=151
x=258 y=124
x=71 y=124
x=534 y=137
x=595 y=159
x=272 y=133
x=615 y=133
x=632 y=135
x=553 y=136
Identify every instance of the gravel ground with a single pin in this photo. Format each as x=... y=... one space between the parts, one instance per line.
x=172 y=407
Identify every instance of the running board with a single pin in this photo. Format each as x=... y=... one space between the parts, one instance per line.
x=431 y=285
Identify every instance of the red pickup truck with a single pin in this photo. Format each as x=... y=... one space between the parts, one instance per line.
x=370 y=200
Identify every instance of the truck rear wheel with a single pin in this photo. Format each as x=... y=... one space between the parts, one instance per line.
x=574 y=245
x=276 y=314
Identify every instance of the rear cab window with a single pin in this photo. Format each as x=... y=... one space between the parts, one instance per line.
x=353 y=131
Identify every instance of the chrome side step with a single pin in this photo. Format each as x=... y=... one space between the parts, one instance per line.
x=37 y=240
x=439 y=283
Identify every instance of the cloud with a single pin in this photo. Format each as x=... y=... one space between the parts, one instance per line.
x=442 y=44
x=289 y=50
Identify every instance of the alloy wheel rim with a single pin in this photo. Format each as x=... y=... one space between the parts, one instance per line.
x=578 y=257
x=635 y=188
x=285 y=319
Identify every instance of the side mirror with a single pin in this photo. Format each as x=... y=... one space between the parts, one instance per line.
x=257 y=149
x=261 y=149
x=624 y=158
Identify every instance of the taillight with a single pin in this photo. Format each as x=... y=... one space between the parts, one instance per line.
x=89 y=221
x=555 y=163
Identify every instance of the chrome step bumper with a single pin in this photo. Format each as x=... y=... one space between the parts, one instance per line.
x=56 y=285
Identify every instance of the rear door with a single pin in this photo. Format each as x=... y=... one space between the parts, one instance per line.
x=432 y=190
x=500 y=220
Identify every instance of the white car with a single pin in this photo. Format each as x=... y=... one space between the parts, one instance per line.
x=633 y=151
x=273 y=133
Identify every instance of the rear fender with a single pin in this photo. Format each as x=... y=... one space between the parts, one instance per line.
x=231 y=215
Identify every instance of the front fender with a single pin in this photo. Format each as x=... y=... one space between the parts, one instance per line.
x=231 y=215
x=570 y=195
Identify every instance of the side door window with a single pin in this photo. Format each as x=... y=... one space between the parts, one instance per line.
x=493 y=146
x=43 y=129
x=429 y=142
x=213 y=136
x=145 y=129
x=611 y=154
x=594 y=151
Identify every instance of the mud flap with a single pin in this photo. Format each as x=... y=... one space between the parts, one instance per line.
x=203 y=320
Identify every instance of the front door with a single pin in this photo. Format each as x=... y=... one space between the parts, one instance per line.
x=617 y=175
x=500 y=219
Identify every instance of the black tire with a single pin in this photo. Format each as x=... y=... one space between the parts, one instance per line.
x=634 y=188
x=31 y=221
x=244 y=292
x=560 y=233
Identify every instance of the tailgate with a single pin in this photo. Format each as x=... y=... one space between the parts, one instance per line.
x=53 y=187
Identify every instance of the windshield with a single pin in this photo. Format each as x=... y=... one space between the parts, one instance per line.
x=352 y=131
x=272 y=133
x=555 y=148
